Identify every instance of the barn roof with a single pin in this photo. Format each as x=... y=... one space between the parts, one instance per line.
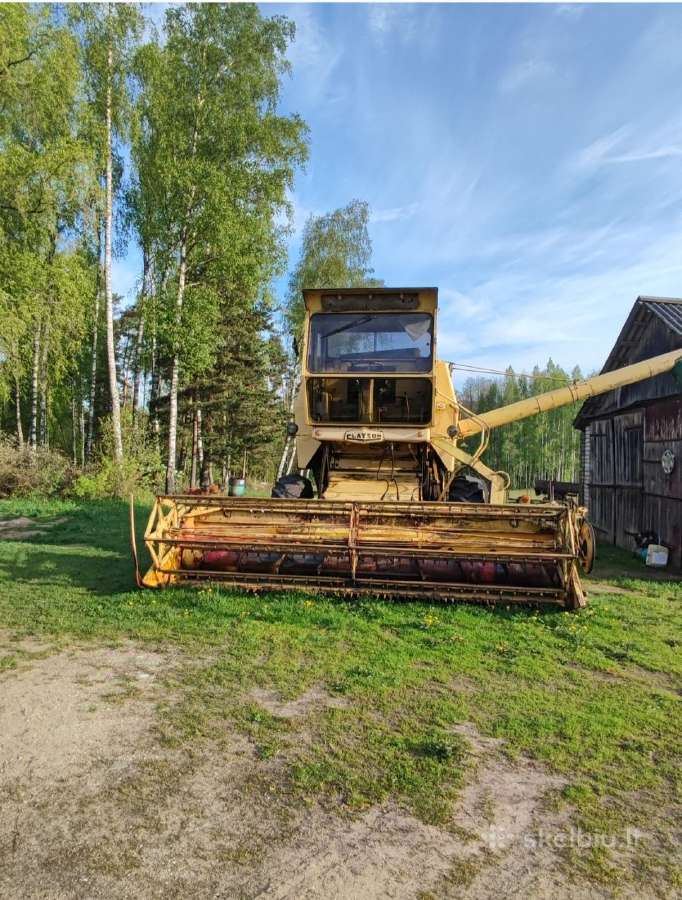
x=667 y=309
x=645 y=311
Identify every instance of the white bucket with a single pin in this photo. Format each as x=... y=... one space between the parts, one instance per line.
x=656 y=555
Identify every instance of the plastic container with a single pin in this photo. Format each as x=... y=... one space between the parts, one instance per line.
x=237 y=487
x=656 y=555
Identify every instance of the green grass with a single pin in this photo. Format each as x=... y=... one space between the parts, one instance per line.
x=593 y=695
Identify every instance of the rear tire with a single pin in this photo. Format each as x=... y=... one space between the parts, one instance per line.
x=293 y=487
x=468 y=489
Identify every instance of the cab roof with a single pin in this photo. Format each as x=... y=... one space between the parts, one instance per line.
x=371 y=299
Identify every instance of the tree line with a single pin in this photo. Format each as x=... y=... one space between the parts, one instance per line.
x=545 y=446
x=109 y=130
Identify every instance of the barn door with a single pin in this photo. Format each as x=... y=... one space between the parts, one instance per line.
x=601 y=482
x=628 y=443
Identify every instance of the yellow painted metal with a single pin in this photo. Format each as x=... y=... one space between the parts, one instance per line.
x=445 y=410
x=373 y=531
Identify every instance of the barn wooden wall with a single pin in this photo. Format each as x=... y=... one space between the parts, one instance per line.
x=625 y=487
x=663 y=493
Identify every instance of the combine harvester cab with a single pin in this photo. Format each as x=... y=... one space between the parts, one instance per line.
x=383 y=499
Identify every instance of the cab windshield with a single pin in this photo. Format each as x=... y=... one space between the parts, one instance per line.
x=352 y=342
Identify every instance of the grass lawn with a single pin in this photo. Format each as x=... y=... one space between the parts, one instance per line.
x=593 y=696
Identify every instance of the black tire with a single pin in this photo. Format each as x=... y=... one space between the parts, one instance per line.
x=468 y=489
x=293 y=487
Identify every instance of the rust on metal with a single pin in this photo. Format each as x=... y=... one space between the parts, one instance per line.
x=445 y=551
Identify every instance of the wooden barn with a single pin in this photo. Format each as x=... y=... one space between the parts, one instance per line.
x=631 y=472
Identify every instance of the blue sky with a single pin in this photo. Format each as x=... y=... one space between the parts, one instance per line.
x=526 y=159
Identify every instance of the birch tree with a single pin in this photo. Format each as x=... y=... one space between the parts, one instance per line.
x=44 y=167
x=108 y=35
x=336 y=251
x=215 y=164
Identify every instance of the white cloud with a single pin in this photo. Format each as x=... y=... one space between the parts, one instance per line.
x=570 y=11
x=531 y=313
x=453 y=345
x=461 y=305
x=666 y=152
x=524 y=72
x=301 y=213
x=393 y=214
x=565 y=247
x=380 y=18
x=612 y=148
x=313 y=55
x=394 y=20
x=599 y=150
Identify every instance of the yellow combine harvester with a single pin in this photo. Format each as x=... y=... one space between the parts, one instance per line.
x=394 y=506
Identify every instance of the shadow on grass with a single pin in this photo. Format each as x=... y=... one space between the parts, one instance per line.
x=50 y=565
x=82 y=545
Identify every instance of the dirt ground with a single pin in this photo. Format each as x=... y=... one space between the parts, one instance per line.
x=94 y=804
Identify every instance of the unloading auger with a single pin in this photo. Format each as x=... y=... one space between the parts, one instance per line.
x=384 y=499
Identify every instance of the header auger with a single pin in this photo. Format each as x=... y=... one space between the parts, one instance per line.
x=383 y=499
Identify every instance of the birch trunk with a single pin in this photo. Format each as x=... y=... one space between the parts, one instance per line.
x=182 y=276
x=17 y=406
x=81 y=425
x=43 y=388
x=200 y=441
x=154 y=394
x=175 y=372
x=108 y=227
x=74 y=429
x=295 y=379
x=35 y=365
x=290 y=464
x=283 y=457
x=93 y=357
